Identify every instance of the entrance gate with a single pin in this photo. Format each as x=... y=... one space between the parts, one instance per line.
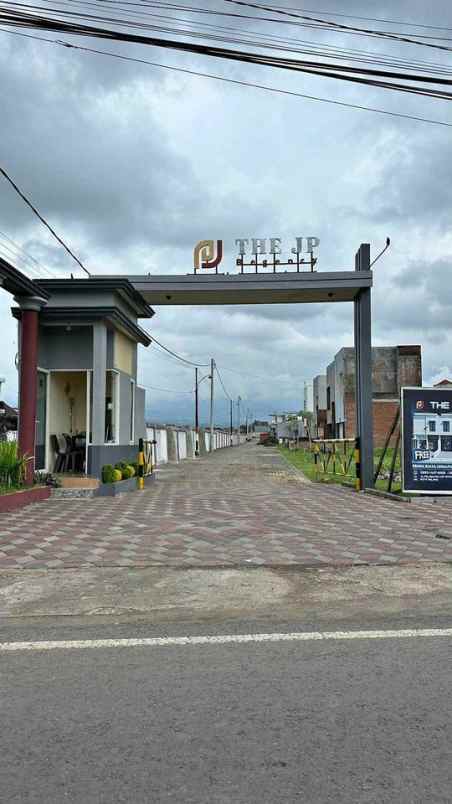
x=275 y=288
x=289 y=288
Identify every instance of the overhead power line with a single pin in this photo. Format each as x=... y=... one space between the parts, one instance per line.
x=237 y=82
x=272 y=40
x=179 y=357
x=19 y=252
x=43 y=220
x=222 y=383
x=165 y=390
x=340 y=27
x=343 y=72
x=366 y=19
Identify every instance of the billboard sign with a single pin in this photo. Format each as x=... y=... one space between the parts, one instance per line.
x=427 y=440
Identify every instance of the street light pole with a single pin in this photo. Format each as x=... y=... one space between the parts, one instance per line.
x=212 y=366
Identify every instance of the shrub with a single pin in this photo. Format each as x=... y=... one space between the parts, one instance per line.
x=107 y=473
x=127 y=472
x=121 y=465
x=117 y=475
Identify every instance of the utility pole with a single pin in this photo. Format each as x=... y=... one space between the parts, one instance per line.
x=232 y=429
x=247 y=414
x=196 y=415
x=212 y=367
x=239 y=399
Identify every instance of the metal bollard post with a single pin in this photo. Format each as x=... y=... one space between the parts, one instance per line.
x=358 y=483
x=140 y=476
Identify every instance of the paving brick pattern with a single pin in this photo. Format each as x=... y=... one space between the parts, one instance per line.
x=241 y=506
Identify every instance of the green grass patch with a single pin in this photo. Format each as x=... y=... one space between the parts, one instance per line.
x=303 y=460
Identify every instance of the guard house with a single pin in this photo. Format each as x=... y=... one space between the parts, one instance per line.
x=89 y=409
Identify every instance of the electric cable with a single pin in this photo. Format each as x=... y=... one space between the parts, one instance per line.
x=179 y=357
x=238 y=82
x=366 y=56
x=42 y=219
x=366 y=19
x=27 y=256
x=338 y=71
x=164 y=390
x=222 y=383
x=329 y=25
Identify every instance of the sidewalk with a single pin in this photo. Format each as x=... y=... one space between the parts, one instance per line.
x=237 y=507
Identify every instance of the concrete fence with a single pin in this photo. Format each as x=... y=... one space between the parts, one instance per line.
x=176 y=444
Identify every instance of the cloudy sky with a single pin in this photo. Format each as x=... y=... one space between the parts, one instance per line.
x=133 y=165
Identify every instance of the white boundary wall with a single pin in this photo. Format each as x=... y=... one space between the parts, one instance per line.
x=185 y=440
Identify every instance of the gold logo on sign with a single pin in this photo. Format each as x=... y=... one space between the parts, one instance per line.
x=204 y=256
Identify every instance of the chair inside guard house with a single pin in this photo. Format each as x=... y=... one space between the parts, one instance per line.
x=69 y=451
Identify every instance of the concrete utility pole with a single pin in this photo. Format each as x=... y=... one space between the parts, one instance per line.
x=212 y=368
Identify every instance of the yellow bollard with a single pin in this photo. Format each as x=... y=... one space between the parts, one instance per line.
x=140 y=476
x=358 y=485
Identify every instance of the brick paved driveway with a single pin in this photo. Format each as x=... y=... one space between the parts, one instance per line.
x=240 y=506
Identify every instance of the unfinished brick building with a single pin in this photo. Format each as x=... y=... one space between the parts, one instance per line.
x=392 y=368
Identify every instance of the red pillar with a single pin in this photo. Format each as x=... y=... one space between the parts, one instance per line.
x=28 y=387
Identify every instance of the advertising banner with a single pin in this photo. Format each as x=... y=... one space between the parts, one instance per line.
x=427 y=440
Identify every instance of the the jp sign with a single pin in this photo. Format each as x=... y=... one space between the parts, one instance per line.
x=272 y=245
x=263 y=253
x=427 y=440
x=204 y=255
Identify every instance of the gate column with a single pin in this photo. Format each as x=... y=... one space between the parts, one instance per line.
x=28 y=378
x=363 y=371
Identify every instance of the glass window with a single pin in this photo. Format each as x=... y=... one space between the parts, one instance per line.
x=132 y=411
x=111 y=407
x=446 y=427
x=432 y=427
x=41 y=410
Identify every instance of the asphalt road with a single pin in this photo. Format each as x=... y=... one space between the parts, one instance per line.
x=317 y=721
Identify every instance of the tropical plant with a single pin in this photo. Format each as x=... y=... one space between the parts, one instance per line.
x=12 y=465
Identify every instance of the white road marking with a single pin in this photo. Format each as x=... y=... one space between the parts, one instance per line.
x=224 y=639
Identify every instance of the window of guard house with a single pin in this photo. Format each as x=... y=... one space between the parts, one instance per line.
x=111 y=406
x=132 y=411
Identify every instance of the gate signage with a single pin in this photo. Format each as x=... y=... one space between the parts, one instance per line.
x=258 y=252
x=427 y=440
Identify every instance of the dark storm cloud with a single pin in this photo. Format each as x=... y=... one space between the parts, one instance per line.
x=133 y=165
x=415 y=185
x=95 y=155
